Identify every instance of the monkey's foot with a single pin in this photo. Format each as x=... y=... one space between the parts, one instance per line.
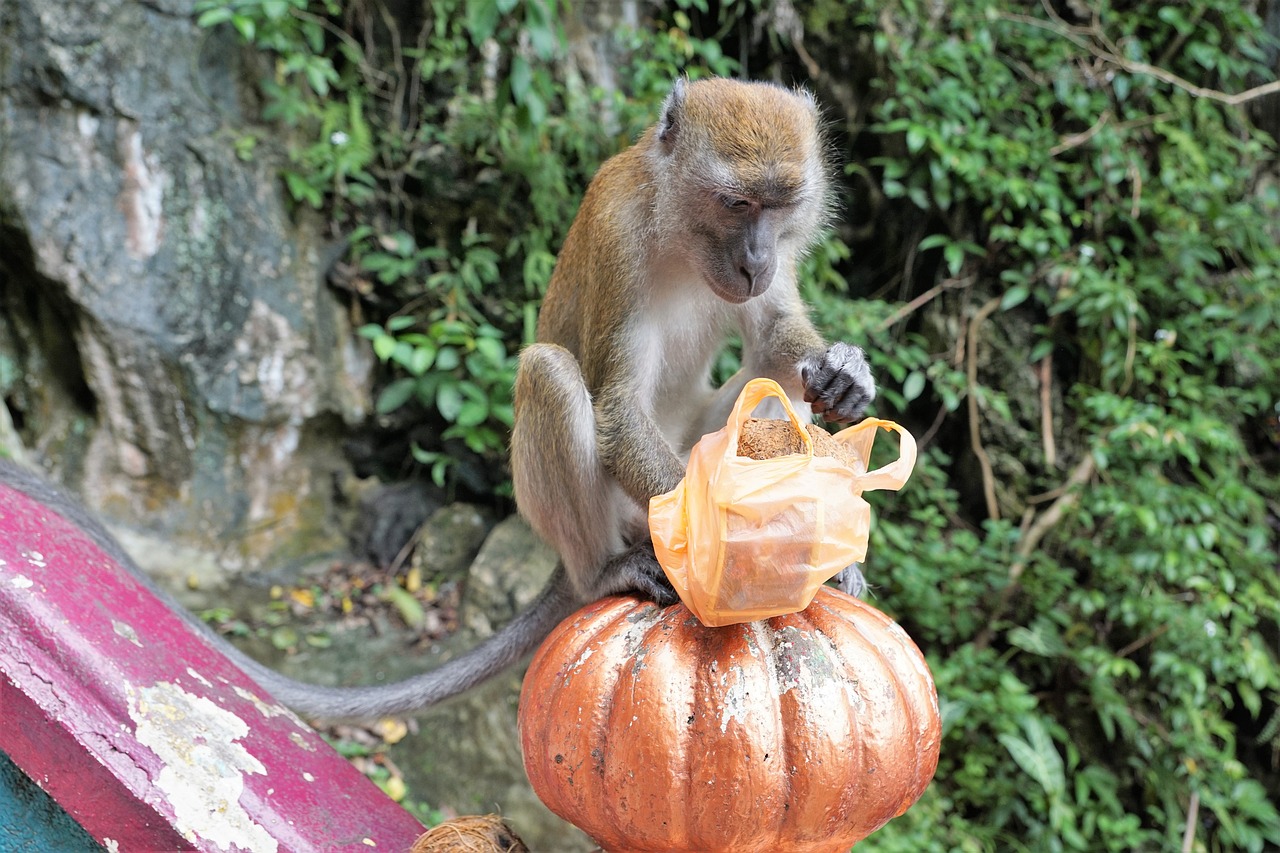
x=637 y=570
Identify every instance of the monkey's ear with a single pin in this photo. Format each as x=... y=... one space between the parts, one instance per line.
x=672 y=112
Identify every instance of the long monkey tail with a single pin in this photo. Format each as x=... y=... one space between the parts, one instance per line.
x=514 y=641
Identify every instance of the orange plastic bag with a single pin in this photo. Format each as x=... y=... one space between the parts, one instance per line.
x=744 y=539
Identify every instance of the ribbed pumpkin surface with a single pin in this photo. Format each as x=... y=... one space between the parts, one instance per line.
x=805 y=732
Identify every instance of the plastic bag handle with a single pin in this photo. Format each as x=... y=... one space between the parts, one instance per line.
x=889 y=477
x=756 y=392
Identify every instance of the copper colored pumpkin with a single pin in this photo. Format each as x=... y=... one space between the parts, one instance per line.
x=805 y=732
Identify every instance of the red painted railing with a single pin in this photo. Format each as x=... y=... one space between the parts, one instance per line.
x=141 y=730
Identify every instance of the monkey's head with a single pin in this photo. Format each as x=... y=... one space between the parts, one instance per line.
x=742 y=180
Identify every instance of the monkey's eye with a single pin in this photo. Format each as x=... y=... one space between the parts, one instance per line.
x=735 y=203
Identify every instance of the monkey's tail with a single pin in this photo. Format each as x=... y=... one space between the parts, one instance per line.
x=516 y=639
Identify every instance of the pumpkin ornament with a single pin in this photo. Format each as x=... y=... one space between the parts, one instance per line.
x=776 y=732
x=652 y=732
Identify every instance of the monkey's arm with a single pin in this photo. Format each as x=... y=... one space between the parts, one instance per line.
x=632 y=447
x=783 y=345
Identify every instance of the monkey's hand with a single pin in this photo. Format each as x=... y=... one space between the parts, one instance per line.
x=851 y=581
x=838 y=383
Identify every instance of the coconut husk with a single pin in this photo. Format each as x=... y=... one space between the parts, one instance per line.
x=470 y=834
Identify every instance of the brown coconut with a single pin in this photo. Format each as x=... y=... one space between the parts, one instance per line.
x=765 y=438
x=470 y=834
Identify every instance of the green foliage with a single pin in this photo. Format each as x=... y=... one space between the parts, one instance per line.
x=452 y=150
x=1024 y=190
x=1108 y=676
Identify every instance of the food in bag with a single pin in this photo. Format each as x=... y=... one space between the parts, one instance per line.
x=750 y=534
x=769 y=438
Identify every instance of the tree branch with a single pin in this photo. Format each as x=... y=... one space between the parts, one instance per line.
x=1045 y=522
x=1096 y=39
x=975 y=435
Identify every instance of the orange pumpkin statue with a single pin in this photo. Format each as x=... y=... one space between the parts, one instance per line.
x=801 y=733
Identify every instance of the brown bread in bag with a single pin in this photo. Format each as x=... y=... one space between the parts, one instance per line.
x=765 y=438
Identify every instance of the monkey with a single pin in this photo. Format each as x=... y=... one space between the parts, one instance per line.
x=689 y=236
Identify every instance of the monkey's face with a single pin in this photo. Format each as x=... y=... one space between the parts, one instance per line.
x=737 y=241
x=741 y=180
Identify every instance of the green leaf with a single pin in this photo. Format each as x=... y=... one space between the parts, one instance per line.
x=473 y=413
x=421 y=360
x=1037 y=755
x=395 y=395
x=218 y=15
x=492 y=349
x=481 y=19
x=916 y=138
x=245 y=26
x=953 y=254
x=447 y=359
x=914 y=385
x=449 y=401
x=521 y=77
x=1014 y=296
x=384 y=346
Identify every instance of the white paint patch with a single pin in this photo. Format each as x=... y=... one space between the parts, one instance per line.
x=111 y=845
x=300 y=740
x=35 y=558
x=125 y=630
x=198 y=677
x=308 y=777
x=22 y=582
x=266 y=709
x=734 y=698
x=204 y=767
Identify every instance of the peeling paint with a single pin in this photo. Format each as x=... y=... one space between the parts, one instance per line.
x=35 y=558
x=266 y=709
x=204 y=766
x=22 y=582
x=198 y=677
x=734 y=698
x=302 y=741
x=125 y=630
x=111 y=845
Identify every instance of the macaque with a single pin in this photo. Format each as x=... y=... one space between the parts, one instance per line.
x=689 y=236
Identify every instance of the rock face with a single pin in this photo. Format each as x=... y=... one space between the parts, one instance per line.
x=167 y=342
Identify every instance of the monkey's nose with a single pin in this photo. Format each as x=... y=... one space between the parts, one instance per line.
x=755 y=270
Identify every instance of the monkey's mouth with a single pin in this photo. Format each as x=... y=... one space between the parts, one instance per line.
x=735 y=290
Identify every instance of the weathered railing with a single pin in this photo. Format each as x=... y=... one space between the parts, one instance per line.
x=141 y=730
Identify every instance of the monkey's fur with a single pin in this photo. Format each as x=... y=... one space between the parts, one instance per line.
x=687 y=237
